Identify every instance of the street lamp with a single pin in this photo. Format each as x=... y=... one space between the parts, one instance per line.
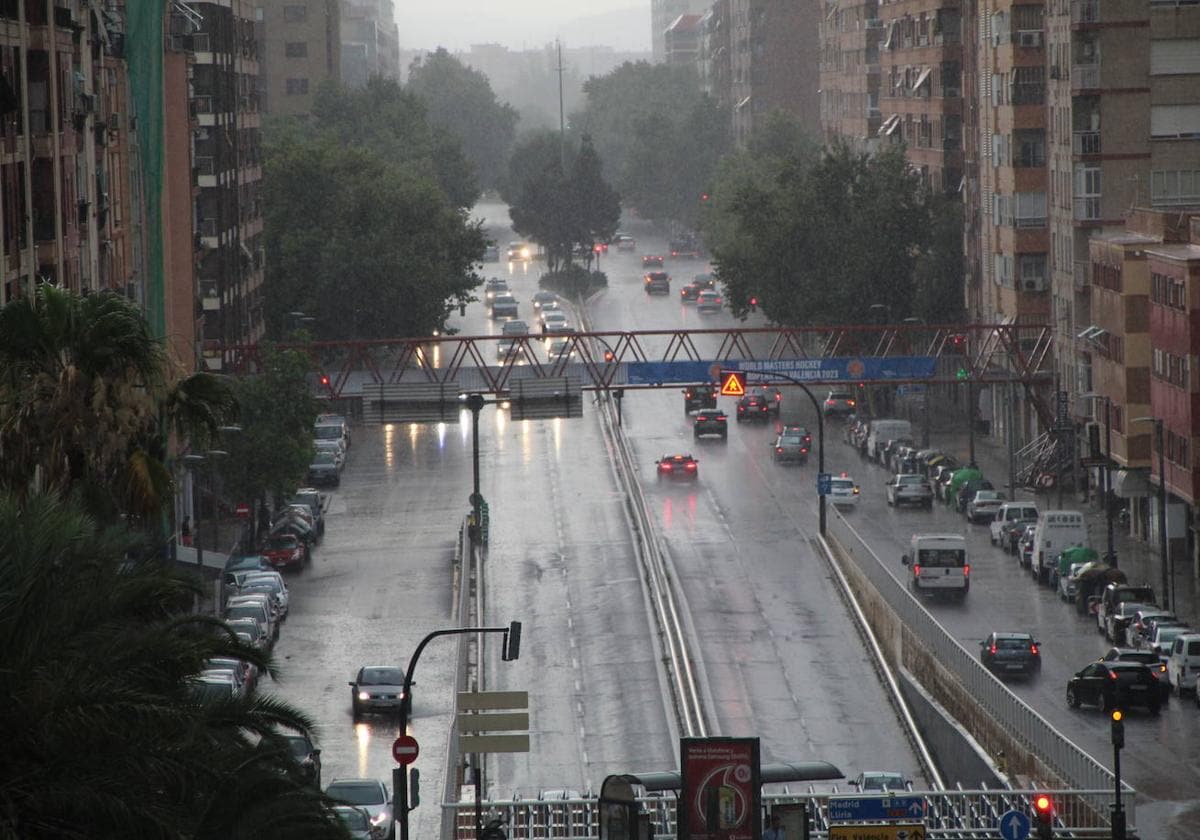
x=475 y=404
x=1111 y=555
x=820 y=441
x=1164 y=555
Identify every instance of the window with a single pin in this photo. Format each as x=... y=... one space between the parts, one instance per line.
x=1029 y=148
x=1033 y=272
x=1087 y=192
x=1175 y=186
x=296 y=87
x=1168 y=291
x=295 y=13
x=1030 y=209
x=1178 y=56
x=1004 y=269
x=1176 y=450
x=1171 y=368
x=999 y=150
x=296 y=49
x=1028 y=85
x=1171 y=121
x=1107 y=276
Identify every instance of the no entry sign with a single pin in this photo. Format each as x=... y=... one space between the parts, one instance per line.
x=405 y=749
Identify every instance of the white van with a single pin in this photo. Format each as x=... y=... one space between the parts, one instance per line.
x=882 y=431
x=937 y=565
x=1183 y=665
x=1011 y=512
x=1056 y=530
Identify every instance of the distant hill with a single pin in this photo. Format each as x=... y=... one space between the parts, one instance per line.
x=623 y=30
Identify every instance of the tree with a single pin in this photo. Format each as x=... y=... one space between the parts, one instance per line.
x=103 y=737
x=460 y=100
x=597 y=205
x=269 y=458
x=941 y=267
x=87 y=398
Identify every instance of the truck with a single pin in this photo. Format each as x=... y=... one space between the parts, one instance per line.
x=937 y=565
x=1057 y=530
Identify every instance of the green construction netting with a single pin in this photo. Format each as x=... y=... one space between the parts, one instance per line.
x=144 y=58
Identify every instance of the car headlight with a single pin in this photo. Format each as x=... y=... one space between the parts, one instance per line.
x=380 y=818
x=362 y=695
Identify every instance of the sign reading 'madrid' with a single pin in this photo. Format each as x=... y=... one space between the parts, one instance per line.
x=830 y=370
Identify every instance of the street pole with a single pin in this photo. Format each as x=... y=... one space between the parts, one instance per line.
x=476 y=403
x=1162 y=513
x=971 y=420
x=1111 y=557
x=1012 y=440
x=820 y=443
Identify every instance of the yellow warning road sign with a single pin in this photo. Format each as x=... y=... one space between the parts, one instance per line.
x=892 y=831
x=733 y=384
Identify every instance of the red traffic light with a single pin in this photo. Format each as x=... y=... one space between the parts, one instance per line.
x=608 y=355
x=704 y=196
x=324 y=380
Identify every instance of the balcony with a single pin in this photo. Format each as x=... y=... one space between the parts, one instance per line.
x=1086 y=143
x=1087 y=208
x=1085 y=76
x=1085 y=11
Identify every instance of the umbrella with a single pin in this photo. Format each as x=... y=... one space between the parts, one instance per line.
x=961 y=477
x=1093 y=579
x=1075 y=554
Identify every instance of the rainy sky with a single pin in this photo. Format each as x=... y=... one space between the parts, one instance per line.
x=456 y=24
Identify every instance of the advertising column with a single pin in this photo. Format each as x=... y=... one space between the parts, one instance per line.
x=721 y=796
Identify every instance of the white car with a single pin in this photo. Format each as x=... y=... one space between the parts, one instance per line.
x=560 y=347
x=555 y=321
x=708 y=300
x=371 y=795
x=843 y=492
x=880 y=780
x=272 y=579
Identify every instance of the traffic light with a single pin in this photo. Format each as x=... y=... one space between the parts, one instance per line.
x=704 y=196
x=324 y=380
x=609 y=355
x=1118 y=728
x=962 y=374
x=1043 y=807
x=753 y=304
x=512 y=642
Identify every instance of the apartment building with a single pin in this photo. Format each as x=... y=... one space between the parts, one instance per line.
x=65 y=206
x=665 y=12
x=849 y=35
x=920 y=59
x=228 y=170
x=775 y=61
x=370 y=41
x=715 y=58
x=299 y=47
x=1123 y=130
x=681 y=42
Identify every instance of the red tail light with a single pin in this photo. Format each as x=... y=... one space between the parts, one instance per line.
x=803 y=450
x=992 y=650
x=966 y=570
x=917 y=569
x=1112 y=675
x=665 y=467
x=691 y=467
x=850 y=403
x=1033 y=649
x=779 y=449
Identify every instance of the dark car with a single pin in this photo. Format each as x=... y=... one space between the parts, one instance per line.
x=839 y=403
x=797 y=429
x=657 y=283
x=689 y=293
x=705 y=281
x=305 y=753
x=1112 y=685
x=649 y=261
x=684 y=249
x=696 y=397
x=324 y=470
x=771 y=394
x=710 y=421
x=753 y=407
x=678 y=466
x=1010 y=653
x=1148 y=658
x=1011 y=533
x=377 y=688
x=790 y=447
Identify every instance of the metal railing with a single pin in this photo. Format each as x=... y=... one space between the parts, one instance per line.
x=948 y=814
x=1086 y=142
x=1058 y=753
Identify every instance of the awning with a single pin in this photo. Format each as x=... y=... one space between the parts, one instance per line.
x=923 y=78
x=889 y=125
x=743 y=103
x=1129 y=484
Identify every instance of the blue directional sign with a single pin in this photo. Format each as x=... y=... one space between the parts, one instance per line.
x=835 y=369
x=824 y=483
x=876 y=808
x=1014 y=825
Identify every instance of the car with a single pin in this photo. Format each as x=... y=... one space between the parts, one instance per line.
x=371 y=795
x=657 y=283
x=1163 y=637
x=504 y=305
x=304 y=752
x=1010 y=534
x=494 y=286
x=1154 y=624
x=323 y=470
x=339 y=454
x=699 y=396
x=274 y=581
x=624 y=242
x=1025 y=545
x=1067 y=584
x=519 y=252
x=1118 y=619
x=909 y=489
x=1143 y=620
x=266 y=600
x=336 y=420
x=705 y=281
x=797 y=429
x=984 y=506
x=296 y=524
x=709 y=300
x=243 y=671
x=689 y=293
x=333 y=432
x=879 y=781
x=256 y=635
x=233 y=676
x=790 y=447
x=246 y=563
x=1146 y=657
x=652 y=261
x=772 y=395
x=554 y=321
x=710 y=421
x=683 y=467
x=1010 y=653
x=265 y=587
x=491 y=252
x=1111 y=685
x=357 y=823
x=377 y=688
x=843 y=492
x=315 y=500
x=211 y=689
x=753 y=407
x=284 y=551
x=686 y=248
x=1183 y=662
x=548 y=307
x=838 y=403
x=560 y=348
x=542 y=297
x=1010 y=512
x=967 y=491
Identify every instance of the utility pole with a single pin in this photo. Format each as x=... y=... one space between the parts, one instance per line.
x=562 y=122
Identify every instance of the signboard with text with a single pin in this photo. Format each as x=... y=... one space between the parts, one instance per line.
x=721 y=795
x=891 y=831
x=833 y=369
x=876 y=808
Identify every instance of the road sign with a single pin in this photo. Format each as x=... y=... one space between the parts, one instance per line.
x=405 y=749
x=876 y=808
x=493 y=743
x=824 y=483
x=484 y=700
x=889 y=831
x=733 y=384
x=1014 y=825
x=242 y=511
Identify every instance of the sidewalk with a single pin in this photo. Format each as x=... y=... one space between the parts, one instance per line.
x=1139 y=560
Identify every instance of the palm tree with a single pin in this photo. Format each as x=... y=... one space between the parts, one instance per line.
x=102 y=735
x=88 y=399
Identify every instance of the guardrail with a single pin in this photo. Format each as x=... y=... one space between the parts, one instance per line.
x=948 y=814
x=1059 y=754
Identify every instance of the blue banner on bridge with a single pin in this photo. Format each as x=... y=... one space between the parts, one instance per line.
x=833 y=369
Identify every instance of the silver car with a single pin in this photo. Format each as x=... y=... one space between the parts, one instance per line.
x=909 y=489
x=984 y=505
x=371 y=795
x=377 y=688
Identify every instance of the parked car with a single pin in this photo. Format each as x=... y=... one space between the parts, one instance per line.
x=1010 y=653
x=984 y=506
x=284 y=551
x=1139 y=627
x=1025 y=545
x=323 y=470
x=1011 y=532
x=1011 y=512
x=315 y=500
x=967 y=491
x=306 y=755
x=357 y=823
x=1183 y=663
x=1067 y=585
x=1111 y=685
